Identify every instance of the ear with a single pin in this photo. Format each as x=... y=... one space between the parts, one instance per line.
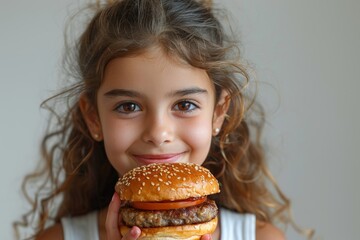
x=220 y=111
x=91 y=118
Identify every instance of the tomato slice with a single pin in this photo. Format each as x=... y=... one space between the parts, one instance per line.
x=166 y=205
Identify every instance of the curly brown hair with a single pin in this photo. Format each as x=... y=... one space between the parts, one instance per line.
x=75 y=168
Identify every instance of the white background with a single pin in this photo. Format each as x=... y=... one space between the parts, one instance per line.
x=306 y=53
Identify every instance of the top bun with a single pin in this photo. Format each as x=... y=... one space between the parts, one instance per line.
x=166 y=181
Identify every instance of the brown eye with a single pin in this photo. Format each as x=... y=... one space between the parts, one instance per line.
x=128 y=107
x=185 y=106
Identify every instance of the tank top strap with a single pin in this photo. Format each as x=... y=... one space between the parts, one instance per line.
x=237 y=226
x=82 y=227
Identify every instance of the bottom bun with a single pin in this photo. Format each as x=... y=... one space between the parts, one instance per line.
x=190 y=232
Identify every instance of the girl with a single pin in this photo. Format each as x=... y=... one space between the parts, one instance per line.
x=159 y=81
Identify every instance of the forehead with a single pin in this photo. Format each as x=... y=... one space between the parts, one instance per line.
x=153 y=70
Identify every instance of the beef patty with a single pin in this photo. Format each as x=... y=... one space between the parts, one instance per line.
x=159 y=218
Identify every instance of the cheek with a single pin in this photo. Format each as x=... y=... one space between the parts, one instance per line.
x=118 y=137
x=198 y=137
x=117 y=140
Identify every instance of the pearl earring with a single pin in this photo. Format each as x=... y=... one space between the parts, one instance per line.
x=216 y=131
x=96 y=136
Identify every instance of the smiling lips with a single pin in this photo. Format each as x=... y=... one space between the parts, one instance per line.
x=157 y=158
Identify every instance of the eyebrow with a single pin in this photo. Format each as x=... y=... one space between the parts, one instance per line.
x=188 y=91
x=134 y=94
x=122 y=92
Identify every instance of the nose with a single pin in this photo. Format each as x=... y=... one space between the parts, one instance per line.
x=158 y=130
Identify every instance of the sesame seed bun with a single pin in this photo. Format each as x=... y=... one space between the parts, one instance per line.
x=168 y=181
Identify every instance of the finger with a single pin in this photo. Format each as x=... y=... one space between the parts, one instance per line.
x=133 y=234
x=206 y=237
x=112 y=219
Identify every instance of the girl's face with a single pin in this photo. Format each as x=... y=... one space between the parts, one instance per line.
x=152 y=108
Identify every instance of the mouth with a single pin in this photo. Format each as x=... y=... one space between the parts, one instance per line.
x=144 y=159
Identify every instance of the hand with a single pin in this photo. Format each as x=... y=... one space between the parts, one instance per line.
x=206 y=237
x=133 y=234
x=112 y=223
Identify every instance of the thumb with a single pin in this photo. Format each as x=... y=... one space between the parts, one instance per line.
x=133 y=234
x=112 y=219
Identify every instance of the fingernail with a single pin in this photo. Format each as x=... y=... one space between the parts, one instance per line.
x=112 y=199
x=134 y=232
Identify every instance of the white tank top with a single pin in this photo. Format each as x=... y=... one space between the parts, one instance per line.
x=236 y=226
x=83 y=227
x=233 y=226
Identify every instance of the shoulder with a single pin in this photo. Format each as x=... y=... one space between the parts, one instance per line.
x=267 y=231
x=55 y=233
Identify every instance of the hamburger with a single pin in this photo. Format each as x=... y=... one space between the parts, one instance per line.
x=168 y=201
